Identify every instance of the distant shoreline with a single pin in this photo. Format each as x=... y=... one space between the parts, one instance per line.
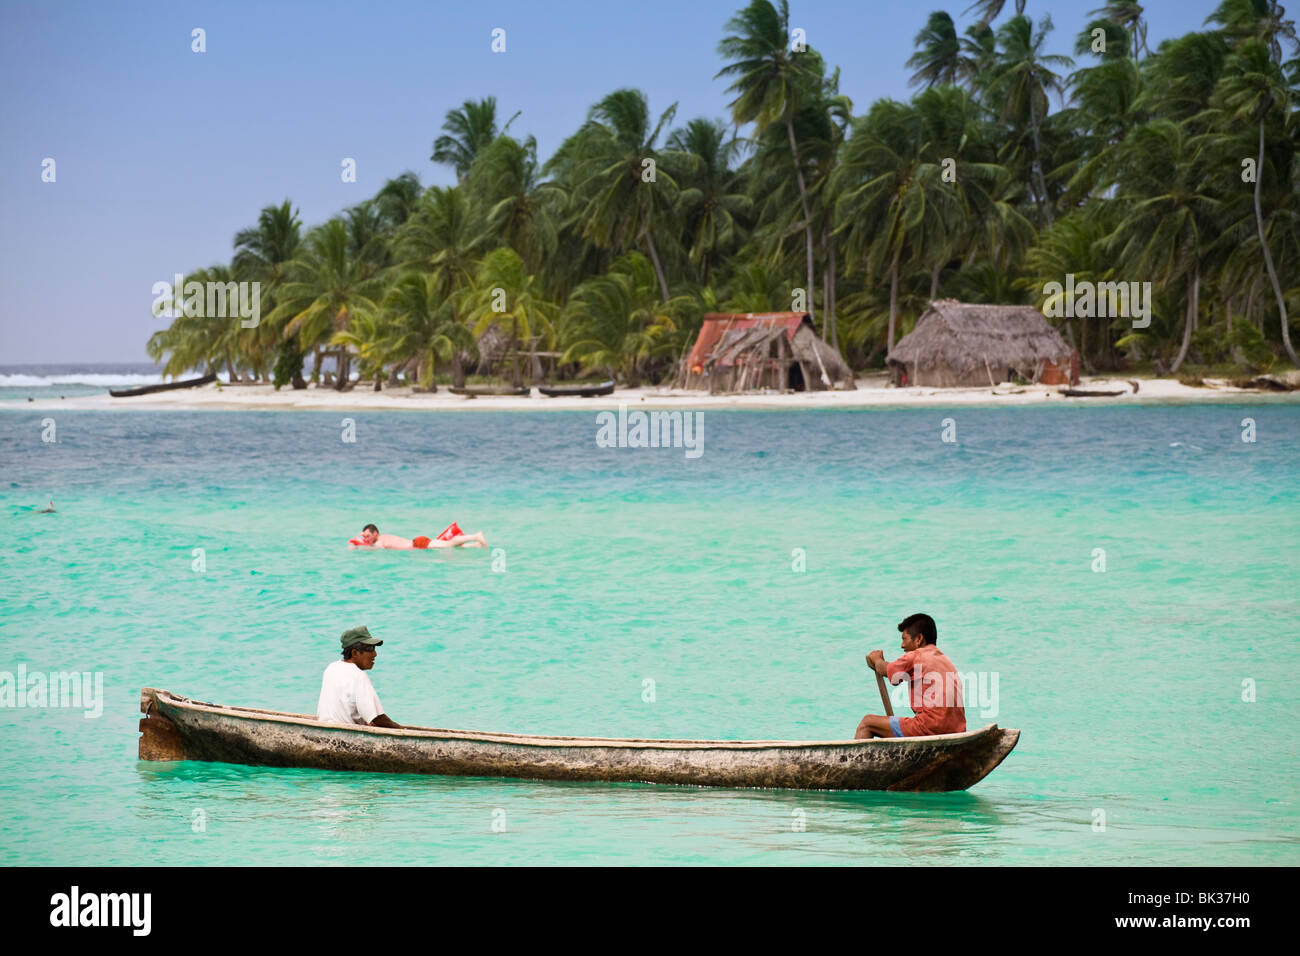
x=872 y=392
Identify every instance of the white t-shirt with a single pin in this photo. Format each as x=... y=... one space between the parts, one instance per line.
x=347 y=696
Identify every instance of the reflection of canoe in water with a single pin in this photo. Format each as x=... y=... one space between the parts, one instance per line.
x=473 y=391
x=177 y=728
x=163 y=386
x=580 y=391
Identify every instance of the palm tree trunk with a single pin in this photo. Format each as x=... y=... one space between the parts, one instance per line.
x=515 y=381
x=1193 y=294
x=893 y=301
x=1083 y=347
x=342 y=368
x=654 y=257
x=534 y=363
x=1038 y=167
x=826 y=306
x=830 y=292
x=1268 y=256
x=807 y=216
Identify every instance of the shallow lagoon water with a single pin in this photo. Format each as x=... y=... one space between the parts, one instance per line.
x=623 y=566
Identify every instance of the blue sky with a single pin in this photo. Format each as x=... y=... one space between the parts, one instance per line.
x=163 y=154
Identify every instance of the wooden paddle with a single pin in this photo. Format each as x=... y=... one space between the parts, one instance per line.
x=884 y=697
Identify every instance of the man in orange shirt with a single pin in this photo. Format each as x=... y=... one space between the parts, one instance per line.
x=935 y=686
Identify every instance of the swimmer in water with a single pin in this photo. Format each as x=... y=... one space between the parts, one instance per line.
x=453 y=537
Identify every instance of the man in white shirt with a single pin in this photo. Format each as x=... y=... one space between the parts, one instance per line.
x=346 y=694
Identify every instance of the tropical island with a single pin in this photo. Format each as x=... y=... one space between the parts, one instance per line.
x=1172 y=171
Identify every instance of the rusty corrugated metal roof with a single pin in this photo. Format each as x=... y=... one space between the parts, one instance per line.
x=717 y=324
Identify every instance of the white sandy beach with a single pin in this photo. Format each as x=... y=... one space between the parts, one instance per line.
x=873 y=391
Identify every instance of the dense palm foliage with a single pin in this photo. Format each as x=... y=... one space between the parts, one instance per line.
x=1009 y=169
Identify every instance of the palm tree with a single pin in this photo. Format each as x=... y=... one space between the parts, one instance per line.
x=264 y=250
x=1020 y=82
x=1127 y=14
x=771 y=84
x=618 y=322
x=370 y=335
x=754 y=287
x=325 y=291
x=1074 y=244
x=990 y=10
x=368 y=237
x=1263 y=20
x=608 y=158
x=1105 y=111
x=979 y=52
x=468 y=130
x=983 y=219
x=505 y=295
x=938 y=57
x=518 y=208
x=712 y=200
x=397 y=199
x=195 y=339
x=443 y=235
x=1251 y=88
x=1168 y=217
x=1115 y=37
x=262 y=254
x=424 y=328
x=1180 y=79
x=891 y=194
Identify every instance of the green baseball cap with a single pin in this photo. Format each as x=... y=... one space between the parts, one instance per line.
x=358 y=635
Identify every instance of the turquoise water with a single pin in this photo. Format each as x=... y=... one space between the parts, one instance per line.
x=622 y=565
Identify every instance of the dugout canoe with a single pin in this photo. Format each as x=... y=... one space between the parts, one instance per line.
x=474 y=391
x=579 y=391
x=1090 y=393
x=163 y=386
x=177 y=728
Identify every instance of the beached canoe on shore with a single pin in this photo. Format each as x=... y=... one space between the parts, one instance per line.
x=163 y=386
x=474 y=391
x=1091 y=393
x=177 y=728
x=577 y=391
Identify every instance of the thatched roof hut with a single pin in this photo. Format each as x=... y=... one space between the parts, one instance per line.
x=737 y=352
x=959 y=344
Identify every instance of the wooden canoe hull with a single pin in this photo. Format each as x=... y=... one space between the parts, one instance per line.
x=577 y=391
x=474 y=391
x=177 y=728
x=163 y=386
